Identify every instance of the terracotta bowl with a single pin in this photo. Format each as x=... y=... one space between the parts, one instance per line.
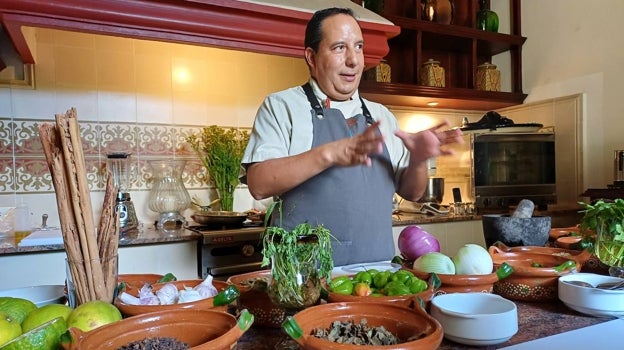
x=557 y=232
x=204 y=304
x=254 y=297
x=499 y=248
x=404 y=300
x=200 y=329
x=134 y=282
x=412 y=322
x=461 y=283
x=535 y=275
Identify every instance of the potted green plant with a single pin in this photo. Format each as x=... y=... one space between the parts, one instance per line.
x=299 y=259
x=605 y=219
x=221 y=151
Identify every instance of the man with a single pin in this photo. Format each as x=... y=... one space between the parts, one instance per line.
x=332 y=157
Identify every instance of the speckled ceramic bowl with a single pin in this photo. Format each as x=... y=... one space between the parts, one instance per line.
x=534 y=277
x=200 y=329
x=413 y=322
x=254 y=297
x=204 y=304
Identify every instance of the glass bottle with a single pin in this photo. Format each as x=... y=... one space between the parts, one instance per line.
x=486 y=18
x=168 y=195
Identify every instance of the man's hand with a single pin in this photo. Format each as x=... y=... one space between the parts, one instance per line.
x=357 y=150
x=428 y=143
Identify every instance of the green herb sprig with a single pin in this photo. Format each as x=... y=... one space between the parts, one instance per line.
x=221 y=151
x=607 y=216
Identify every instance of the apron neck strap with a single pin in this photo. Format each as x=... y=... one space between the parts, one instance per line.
x=314 y=102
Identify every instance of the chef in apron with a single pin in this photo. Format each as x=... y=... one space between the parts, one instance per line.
x=332 y=157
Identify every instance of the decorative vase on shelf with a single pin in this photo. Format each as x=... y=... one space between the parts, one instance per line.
x=439 y=11
x=486 y=19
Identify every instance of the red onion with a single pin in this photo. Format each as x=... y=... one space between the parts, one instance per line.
x=414 y=241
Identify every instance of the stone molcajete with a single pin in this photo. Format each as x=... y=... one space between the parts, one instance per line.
x=517 y=229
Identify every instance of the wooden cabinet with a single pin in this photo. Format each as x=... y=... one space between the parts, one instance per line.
x=459 y=47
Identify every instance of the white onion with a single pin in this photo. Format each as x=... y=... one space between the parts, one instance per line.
x=473 y=259
x=435 y=262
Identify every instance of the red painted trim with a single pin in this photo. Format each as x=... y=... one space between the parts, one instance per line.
x=221 y=23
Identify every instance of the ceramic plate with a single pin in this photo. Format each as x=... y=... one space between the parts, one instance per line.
x=381 y=266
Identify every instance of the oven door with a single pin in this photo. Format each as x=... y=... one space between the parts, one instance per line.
x=225 y=260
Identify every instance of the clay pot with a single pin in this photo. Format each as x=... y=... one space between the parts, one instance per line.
x=204 y=304
x=463 y=283
x=557 y=232
x=412 y=322
x=535 y=275
x=410 y=300
x=256 y=299
x=134 y=282
x=201 y=329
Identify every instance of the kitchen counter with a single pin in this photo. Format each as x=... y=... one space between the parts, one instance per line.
x=535 y=321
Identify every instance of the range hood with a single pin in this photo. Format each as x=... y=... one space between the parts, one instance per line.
x=271 y=26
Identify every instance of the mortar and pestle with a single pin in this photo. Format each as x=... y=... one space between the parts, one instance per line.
x=518 y=229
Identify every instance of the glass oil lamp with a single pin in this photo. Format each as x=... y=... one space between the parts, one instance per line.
x=168 y=196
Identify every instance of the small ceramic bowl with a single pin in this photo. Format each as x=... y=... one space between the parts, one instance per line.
x=591 y=301
x=557 y=232
x=204 y=304
x=475 y=318
x=413 y=322
x=534 y=277
x=200 y=329
x=40 y=295
x=254 y=297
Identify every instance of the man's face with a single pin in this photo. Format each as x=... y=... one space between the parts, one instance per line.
x=339 y=62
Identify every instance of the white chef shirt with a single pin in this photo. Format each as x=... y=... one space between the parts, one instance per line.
x=283 y=126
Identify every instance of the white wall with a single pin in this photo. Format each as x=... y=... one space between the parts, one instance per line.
x=573 y=47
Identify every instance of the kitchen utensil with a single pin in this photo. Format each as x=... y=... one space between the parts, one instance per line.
x=589 y=300
x=227 y=218
x=475 y=318
x=200 y=329
x=434 y=193
x=118 y=164
x=615 y=285
x=533 y=231
x=413 y=322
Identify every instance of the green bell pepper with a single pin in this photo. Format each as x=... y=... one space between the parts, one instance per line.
x=364 y=277
x=381 y=279
x=341 y=285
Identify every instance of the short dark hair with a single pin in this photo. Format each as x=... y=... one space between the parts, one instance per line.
x=313 y=33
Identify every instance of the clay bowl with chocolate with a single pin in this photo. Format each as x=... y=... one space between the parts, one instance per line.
x=466 y=283
x=200 y=329
x=410 y=300
x=535 y=275
x=254 y=297
x=203 y=304
x=135 y=281
x=415 y=330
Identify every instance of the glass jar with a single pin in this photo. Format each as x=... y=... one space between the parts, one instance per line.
x=295 y=283
x=168 y=196
x=486 y=18
x=488 y=77
x=609 y=247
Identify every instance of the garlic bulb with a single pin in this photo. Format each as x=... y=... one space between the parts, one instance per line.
x=168 y=294
x=129 y=299
x=147 y=296
x=188 y=295
x=206 y=289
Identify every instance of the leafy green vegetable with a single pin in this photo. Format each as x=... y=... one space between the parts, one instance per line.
x=221 y=151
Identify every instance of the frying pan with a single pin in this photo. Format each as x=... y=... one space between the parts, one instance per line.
x=232 y=218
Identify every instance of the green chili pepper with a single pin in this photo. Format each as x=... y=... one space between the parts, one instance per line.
x=226 y=296
x=341 y=285
x=364 y=277
x=168 y=277
x=381 y=279
x=397 y=288
x=402 y=276
x=417 y=285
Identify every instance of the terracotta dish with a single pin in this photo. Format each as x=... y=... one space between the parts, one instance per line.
x=134 y=282
x=254 y=297
x=464 y=283
x=535 y=275
x=557 y=232
x=204 y=304
x=500 y=249
x=200 y=329
x=413 y=322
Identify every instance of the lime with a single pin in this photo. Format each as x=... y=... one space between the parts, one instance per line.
x=9 y=328
x=44 y=314
x=93 y=314
x=45 y=337
x=18 y=308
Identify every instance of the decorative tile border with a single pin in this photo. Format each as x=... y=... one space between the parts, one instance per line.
x=23 y=167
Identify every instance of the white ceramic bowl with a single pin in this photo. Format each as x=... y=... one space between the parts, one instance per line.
x=40 y=295
x=475 y=318
x=591 y=301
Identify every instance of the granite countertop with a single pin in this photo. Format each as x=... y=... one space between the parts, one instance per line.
x=535 y=320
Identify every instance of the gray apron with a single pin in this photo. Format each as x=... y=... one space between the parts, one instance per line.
x=355 y=202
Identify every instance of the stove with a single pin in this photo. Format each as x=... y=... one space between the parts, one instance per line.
x=227 y=251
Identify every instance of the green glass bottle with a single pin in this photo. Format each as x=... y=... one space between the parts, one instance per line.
x=486 y=18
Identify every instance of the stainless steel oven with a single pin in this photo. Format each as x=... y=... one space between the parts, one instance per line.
x=224 y=252
x=509 y=167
